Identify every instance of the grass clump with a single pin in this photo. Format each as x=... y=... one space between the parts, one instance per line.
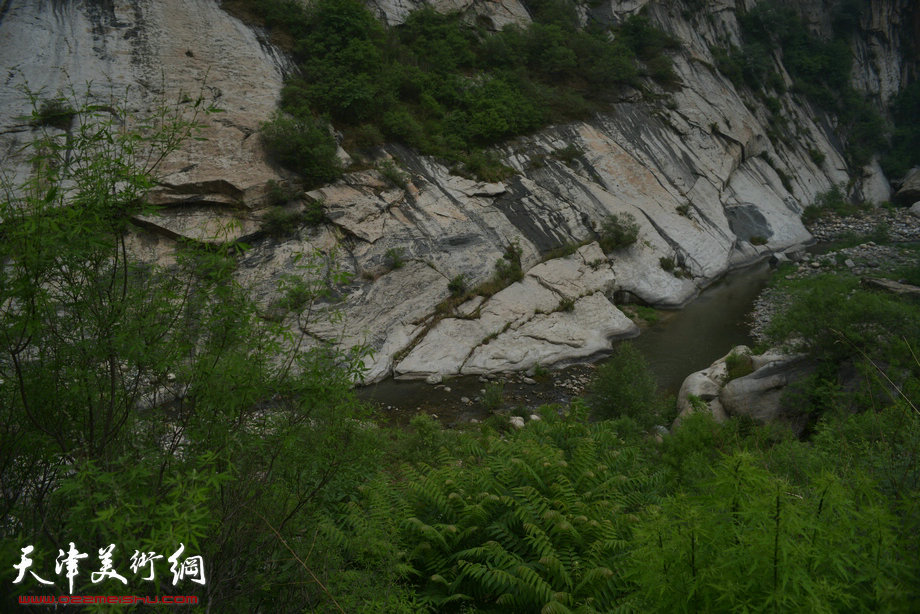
x=494 y=396
x=568 y=154
x=738 y=365
x=395 y=258
x=667 y=263
x=831 y=201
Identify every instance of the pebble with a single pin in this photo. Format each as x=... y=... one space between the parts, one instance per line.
x=529 y=380
x=465 y=400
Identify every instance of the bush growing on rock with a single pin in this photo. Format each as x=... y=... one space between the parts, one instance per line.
x=457 y=285
x=617 y=231
x=738 y=365
x=304 y=145
x=55 y=113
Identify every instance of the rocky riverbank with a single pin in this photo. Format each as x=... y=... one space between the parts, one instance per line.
x=867 y=258
x=882 y=224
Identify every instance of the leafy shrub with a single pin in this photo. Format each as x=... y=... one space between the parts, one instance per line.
x=393 y=174
x=508 y=267
x=667 y=263
x=486 y=166
x=617 y=231
x=280 y=222
x=314 y=213
x=758 y=240
x=738 y=365
x=55 y=113
x=623 y=386
x=494 y=396
x=457 y=285
x=567 y=154
x=833 y=317
x=817 y=156
x=279 y=194
x=303 y=145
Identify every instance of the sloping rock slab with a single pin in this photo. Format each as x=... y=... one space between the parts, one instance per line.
x=560 y=337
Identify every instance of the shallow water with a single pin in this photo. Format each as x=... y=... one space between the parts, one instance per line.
x=692 y=338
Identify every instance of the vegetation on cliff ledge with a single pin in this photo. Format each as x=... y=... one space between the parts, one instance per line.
x=447 y=88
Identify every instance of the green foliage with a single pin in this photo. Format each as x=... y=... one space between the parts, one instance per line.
x=667 y=263
x=618 y=231
x=820 y=70
x=745 y=540
x=457 y=285
x=821 y=320
x=758 y=240
x=507 y=271
x=816 y=155
x=832 y=201
x=738 y=365
x=484 y=165
x=568 y=154
x=537 y=521
x=303 y=145
x=55 y=113
x=147 y=406
x=494 y=396
x=280 y=222
x=648 y=314
x=395 y=258
x=624 y=387
x=852 y=334
x=393 y=174
x=905 y=139
x=444 y=88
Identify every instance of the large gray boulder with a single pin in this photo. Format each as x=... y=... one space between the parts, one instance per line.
x=910 y=188
x=761 y=395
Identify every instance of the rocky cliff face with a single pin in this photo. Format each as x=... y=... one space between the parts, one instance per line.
x=708 y=189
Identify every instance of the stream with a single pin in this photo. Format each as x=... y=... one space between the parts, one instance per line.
x=681 y=342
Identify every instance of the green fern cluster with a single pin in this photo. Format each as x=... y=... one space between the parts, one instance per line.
x=536 y=523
